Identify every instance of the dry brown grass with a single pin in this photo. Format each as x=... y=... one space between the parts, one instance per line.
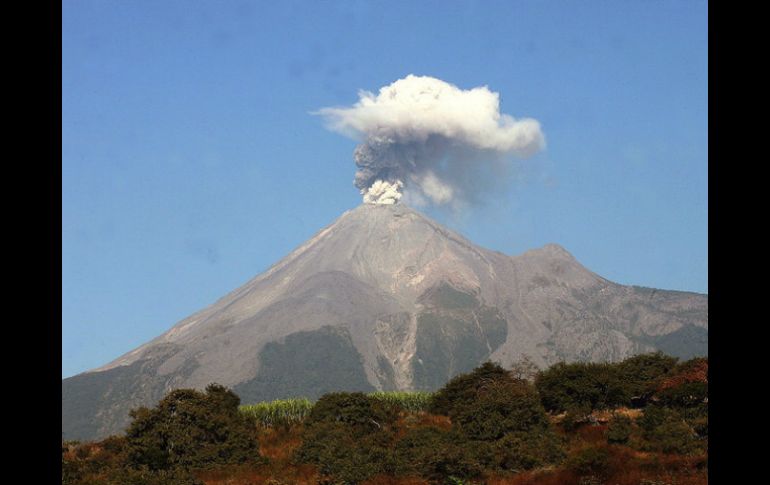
x=606 y=415
x=385 y=480
x=279 y=443
x=407 y=422
x=625 y=467
x=594 y=434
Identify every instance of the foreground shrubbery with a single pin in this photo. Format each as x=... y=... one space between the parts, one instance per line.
x=581 y=385
x=187 y=430
x=488 y=426
x=498 y=424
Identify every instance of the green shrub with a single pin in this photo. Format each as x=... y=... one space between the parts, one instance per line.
x=581 y=385
x=463 y=388
x=519 y=451
x=665 y=430
x=686 y=395
x=590 y=461
x=500 y=408
x=640 y=372
x=575 y=417
x=601 y=386
x=436 y=455
x=345 y=457
x=672 y=437
x=362 y=413
x=499 y=421
x=144 y=476
x=701 y=426
x=348 y=436
x=620 y=429
x=189 y=428
x=655 y=416
x=342 y=455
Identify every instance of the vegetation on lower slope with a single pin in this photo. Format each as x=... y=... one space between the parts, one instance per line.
x=287 y=412
x=643 y=421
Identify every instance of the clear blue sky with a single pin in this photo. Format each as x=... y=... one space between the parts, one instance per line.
x=190 y=162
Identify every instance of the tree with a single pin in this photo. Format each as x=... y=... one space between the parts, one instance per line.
x=192 y=429
x=348 y=436
x=581 y=385
x=640 y=373
x=499 y=419
x=524 y=369
x=463 y=388
x=501 y=408
x=437 y=455
x=620 y=429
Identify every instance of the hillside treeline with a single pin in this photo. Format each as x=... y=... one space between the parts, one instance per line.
x=642 y=421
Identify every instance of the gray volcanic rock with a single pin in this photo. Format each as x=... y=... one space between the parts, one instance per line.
x=385 y=298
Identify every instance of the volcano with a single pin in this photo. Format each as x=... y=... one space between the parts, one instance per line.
x=387 y=299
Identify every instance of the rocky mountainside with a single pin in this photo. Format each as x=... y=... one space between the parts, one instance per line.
x=385 y=298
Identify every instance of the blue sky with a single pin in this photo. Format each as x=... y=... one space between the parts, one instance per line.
x=190 y=162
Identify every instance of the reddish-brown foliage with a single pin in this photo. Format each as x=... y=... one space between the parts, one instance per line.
x=594 y=434
x=408 y=422
x=385 y=480
x=624 y=467
x=695 y=371
x=263 y=475
x=279 y=443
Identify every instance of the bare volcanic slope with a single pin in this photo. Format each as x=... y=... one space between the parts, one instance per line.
x=385 y=298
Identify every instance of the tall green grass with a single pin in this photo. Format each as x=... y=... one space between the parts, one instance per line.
x=282 y=412
x=409 y=401
x=285 y=412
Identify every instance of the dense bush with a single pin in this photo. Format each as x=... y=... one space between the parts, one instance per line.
x=189 y=428
x=144 y=476
x=591 y=461
x=620 y=429
x=672 y=437
x=655 y=416
x=493 y=424
x=498 y=423
x=686 y=395
x=343 y=454
x=106 y=463
x=665 y=430
x=348 y=436
x=700 y=425
x=525 y=450
x=575 y=417
x=462 y=389
x=500 y=408
x=360 y=412
x=500 y=419
x=638 y=373
x=581 y=385
x=601 y=386
x=437 y=454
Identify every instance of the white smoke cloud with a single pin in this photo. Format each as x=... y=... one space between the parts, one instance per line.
x=431 y=135
x=382 y=192
x=413 y=108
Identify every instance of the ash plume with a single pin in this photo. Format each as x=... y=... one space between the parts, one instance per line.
x=432 y=141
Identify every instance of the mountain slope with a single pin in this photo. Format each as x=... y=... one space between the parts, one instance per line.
x=385 y=298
